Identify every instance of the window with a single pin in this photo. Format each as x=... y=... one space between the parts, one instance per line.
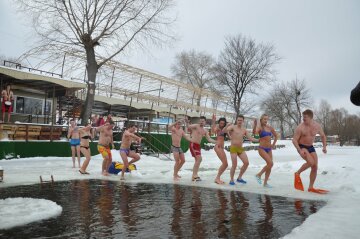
x=47 y=107
x=33 y=106
x=19 y=105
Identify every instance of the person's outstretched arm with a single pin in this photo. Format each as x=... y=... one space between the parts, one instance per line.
x=275 y=137
x=209 y=139
x=252 y=139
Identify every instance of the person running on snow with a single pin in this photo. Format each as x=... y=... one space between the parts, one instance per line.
x=197 y=134
x=237 y=133
x=219 y=130
x=125 y=151
x=303 y=140
x=265 y=148
x=177 y=133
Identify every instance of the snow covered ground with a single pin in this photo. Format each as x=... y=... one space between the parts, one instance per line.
x=339 y=172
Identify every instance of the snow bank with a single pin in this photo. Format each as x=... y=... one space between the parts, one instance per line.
x=20 y=211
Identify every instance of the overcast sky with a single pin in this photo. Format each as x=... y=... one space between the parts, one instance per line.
x=319 y=41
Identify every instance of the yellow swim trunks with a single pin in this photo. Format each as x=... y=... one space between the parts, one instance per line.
x=104 y=150
x=236 y=150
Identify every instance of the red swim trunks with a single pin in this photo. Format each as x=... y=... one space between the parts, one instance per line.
x=6 y=108
x=195 y=149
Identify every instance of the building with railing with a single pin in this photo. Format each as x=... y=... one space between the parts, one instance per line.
x=43 y=98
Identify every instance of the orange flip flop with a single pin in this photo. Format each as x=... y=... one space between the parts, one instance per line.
x=298 y=183
x=323 y=190
x=314 y=190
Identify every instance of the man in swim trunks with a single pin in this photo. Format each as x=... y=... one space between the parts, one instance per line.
x=7 y=97
x=197 y=133
x=237 y=133
x=74 y=137
x=303 y=140
x=125 y=151
x=176 y=134
x=105 y=139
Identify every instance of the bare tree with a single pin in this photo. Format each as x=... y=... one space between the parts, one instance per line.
x=195 y=68
x=285 y=103
x=243 y=66
x=338 y=124
x=323 y=115
x=98 y=30
x=300 y=96
x=345 y=126
x=352 y=130
x=272 y=105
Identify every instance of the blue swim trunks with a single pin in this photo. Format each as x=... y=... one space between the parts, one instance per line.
x=126 y=151
x=74 y=142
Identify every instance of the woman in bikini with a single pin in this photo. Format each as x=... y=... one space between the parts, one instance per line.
x=265 y=132
x=85 y=136
x=219 y=130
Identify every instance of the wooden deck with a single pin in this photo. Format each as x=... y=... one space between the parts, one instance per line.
x=27 y=132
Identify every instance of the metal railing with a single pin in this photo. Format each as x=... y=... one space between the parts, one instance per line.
x=21 y=67
x=158 y=150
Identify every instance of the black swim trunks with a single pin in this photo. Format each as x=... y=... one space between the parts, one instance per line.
x=310 y=148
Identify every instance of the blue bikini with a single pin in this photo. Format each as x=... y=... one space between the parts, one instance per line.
x=263 y=134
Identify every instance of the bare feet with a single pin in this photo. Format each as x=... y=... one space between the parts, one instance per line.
x=122 y=178
x=218 y=181
x=176 y=177
x=104 y=173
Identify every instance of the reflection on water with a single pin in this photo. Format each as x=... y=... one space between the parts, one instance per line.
x=105 y=209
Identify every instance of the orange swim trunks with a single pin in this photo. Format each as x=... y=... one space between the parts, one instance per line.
x=104 y=151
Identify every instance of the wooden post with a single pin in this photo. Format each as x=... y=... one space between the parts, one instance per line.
x=62 y=67
x=192 y=100
x=74 y=105
x=149 y=124
x=27 y=133
x=177 y=94
x=137 y=96
x=128 y=114
x=159 y=93
x=112 y=80
x=167 y=126
x=53 y=112
x=44 y=108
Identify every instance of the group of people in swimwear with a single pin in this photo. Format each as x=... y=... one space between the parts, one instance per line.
x=80 y=143
x=303 y=140
x=222 y=130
